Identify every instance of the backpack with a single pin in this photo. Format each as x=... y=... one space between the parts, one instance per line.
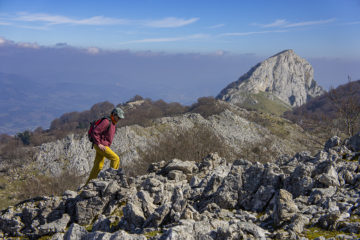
x=93 y=125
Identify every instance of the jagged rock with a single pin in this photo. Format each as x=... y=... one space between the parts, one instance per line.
x=69 y=194
x=133 y=214
x=227 y=194
x=262 y=180
x=120 y=235
x=300 y=181
x=332 y=142
x=298 y=223
x=285 y=208
x=186 y=167
x=101 y=224
x=329 y=221
x=250 y=231
x=54 y=226
x=75 y=232
x=239 y=200
x=146 y=203
x=86 y=194
x=354 y=142
x=176 y=175
x=87 y=209
x=158 y=216
x=319 y=194
x=10 y=222
x=58 y=236
x=329 y=177
x=284 y=75
x=349 y=227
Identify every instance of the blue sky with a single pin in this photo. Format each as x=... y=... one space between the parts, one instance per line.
x=318 y=28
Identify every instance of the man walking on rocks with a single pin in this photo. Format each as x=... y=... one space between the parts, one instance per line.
x=102 y=137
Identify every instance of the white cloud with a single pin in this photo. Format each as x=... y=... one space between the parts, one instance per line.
x=217 y=26
x=220 y=53
x=5 y=23
x=170 y=22
x=308 y=23
x=57 y=19
x=28 y=45
x=2 y=41
x=282 y=23
x=353 y=23
x=277 y=23
x=251 y=33
x=93 y=50
x=171 y=39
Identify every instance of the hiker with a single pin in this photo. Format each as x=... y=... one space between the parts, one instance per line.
x=102 y=136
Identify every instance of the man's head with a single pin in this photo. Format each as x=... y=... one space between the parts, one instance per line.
x=117 y=113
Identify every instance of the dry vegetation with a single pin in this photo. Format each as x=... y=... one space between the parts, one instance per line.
x=323 y=117
x=42 y=185
x=334 y=113
x=17 y=152
x=190 y=145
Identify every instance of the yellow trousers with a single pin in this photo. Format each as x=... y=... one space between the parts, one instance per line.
x=99 y=161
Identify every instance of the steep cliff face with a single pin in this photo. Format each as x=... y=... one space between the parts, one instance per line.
x=285 y=75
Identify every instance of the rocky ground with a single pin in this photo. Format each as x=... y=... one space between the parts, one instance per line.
x=299 y=197
x=237 y=128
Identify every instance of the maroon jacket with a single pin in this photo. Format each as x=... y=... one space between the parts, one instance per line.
x=101 y=135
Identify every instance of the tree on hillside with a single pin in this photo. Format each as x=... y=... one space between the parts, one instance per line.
x=347 y=106
x=24 y=137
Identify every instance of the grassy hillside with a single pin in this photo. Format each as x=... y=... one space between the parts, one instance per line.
x=264 y=102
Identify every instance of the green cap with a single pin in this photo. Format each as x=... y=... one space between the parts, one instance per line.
x=118 y=111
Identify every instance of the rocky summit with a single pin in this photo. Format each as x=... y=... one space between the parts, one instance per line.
x=285 y=76
x=293 y=198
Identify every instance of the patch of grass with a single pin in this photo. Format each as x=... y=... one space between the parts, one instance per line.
x=152 y=234
x=44 y=238
x=264 y=102
x=356 y=157
x=118 y=213
x=259 y=215
x=89 y=227
x=314 y=232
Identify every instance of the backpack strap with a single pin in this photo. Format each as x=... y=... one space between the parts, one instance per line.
x=109 y=119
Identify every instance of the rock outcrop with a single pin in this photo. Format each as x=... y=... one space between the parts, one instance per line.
x=212 y=199
x=234 y=126
x=285 y=76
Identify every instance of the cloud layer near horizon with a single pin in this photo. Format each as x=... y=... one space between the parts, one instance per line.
x=214 y=69
x=73 y=79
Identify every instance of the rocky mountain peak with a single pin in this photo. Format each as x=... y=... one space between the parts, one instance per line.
x=285 y=75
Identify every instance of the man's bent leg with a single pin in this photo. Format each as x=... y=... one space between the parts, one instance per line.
x=113 y=157
x=98 y=164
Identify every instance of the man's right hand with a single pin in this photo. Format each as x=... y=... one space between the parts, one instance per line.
x=102 y=147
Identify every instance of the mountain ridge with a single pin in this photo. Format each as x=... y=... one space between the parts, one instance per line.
x=285 y=75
